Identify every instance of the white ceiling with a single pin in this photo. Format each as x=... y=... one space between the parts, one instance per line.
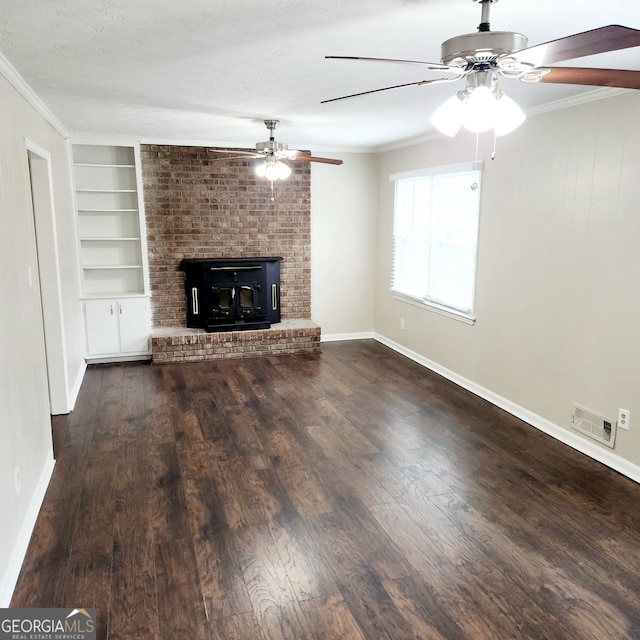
x=211 y=70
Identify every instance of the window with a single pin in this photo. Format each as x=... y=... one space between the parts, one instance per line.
x=435 y=236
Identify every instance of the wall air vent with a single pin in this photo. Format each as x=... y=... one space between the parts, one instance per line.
x=594 y=425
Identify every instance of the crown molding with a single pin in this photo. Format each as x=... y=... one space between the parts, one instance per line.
x=582 y=98
x=106 y=139
x=19 y=84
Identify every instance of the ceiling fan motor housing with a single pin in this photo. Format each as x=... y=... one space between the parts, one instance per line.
x=270 y=147
x=481 y=48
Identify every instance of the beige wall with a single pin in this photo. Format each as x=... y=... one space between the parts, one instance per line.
x=558 y=295
x=25 y=426
x=343 y=236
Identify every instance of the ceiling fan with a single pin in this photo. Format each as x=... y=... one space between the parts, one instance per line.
x=483 y=57
x=275 y=156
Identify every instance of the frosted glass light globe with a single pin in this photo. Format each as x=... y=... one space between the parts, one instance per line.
x=277 y=171
x=273 y=169
x=480 y=113
x=448 y=117
x=509 y=116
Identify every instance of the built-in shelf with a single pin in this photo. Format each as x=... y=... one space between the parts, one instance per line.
x=106 y=191
x=104 y=239
x=111 y=266
x=104 y=166
x=111 y=241
x=109 y=223
x=81 y=211
x=123 y=294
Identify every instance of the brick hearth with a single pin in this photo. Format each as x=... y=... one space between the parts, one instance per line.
x=179 y=344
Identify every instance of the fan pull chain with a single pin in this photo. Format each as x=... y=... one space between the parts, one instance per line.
x=495 y=139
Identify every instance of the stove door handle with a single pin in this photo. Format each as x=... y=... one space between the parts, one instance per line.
x=274 y=296
x=194 y=301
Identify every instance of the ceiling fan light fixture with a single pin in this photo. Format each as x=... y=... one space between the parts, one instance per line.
x=448 y=117
x=508 y=116
x=273 y=169
x=279 y=171
x=260 y=169
x=481 y=106
x=480 y=112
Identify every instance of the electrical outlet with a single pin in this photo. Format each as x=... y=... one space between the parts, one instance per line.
x=17 y=480
x=623 y=418
x=402 y=323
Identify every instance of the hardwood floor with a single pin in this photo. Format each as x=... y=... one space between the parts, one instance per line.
x=346 y=495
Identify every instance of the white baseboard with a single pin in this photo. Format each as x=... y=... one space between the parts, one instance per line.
x=108 y=360
x=335 y=337
x=12 y=572
x=604 y=456
x=75 y=390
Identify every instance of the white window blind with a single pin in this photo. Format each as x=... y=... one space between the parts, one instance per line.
x=435 y=236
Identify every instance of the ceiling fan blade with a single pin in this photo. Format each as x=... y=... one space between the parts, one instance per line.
x=237 y=152
x=622 y=78
x=397 y=86
x=306 y=158
x=578 y=45
x=294 y=154
x=244 y=156
x=436 y=66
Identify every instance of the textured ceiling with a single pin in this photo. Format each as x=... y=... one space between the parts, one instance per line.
x=212 y=70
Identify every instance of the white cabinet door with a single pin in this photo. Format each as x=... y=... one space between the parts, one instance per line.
x=117 y=327
x=134 y=325
x=101 y=318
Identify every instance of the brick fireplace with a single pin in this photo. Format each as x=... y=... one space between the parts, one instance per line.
x=198 y=205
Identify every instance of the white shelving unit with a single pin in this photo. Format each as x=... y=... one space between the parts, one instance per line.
x=112 y=249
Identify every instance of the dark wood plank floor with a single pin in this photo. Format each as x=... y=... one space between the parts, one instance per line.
x=347 y=495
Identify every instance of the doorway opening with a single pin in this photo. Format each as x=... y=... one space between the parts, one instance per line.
x=48 y=276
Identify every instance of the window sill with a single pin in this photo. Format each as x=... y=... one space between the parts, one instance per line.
x=431 y=306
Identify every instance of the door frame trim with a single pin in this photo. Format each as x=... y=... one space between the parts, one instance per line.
x=44 y=216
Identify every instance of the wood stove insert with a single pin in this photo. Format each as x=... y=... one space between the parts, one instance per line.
x=232 y=294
